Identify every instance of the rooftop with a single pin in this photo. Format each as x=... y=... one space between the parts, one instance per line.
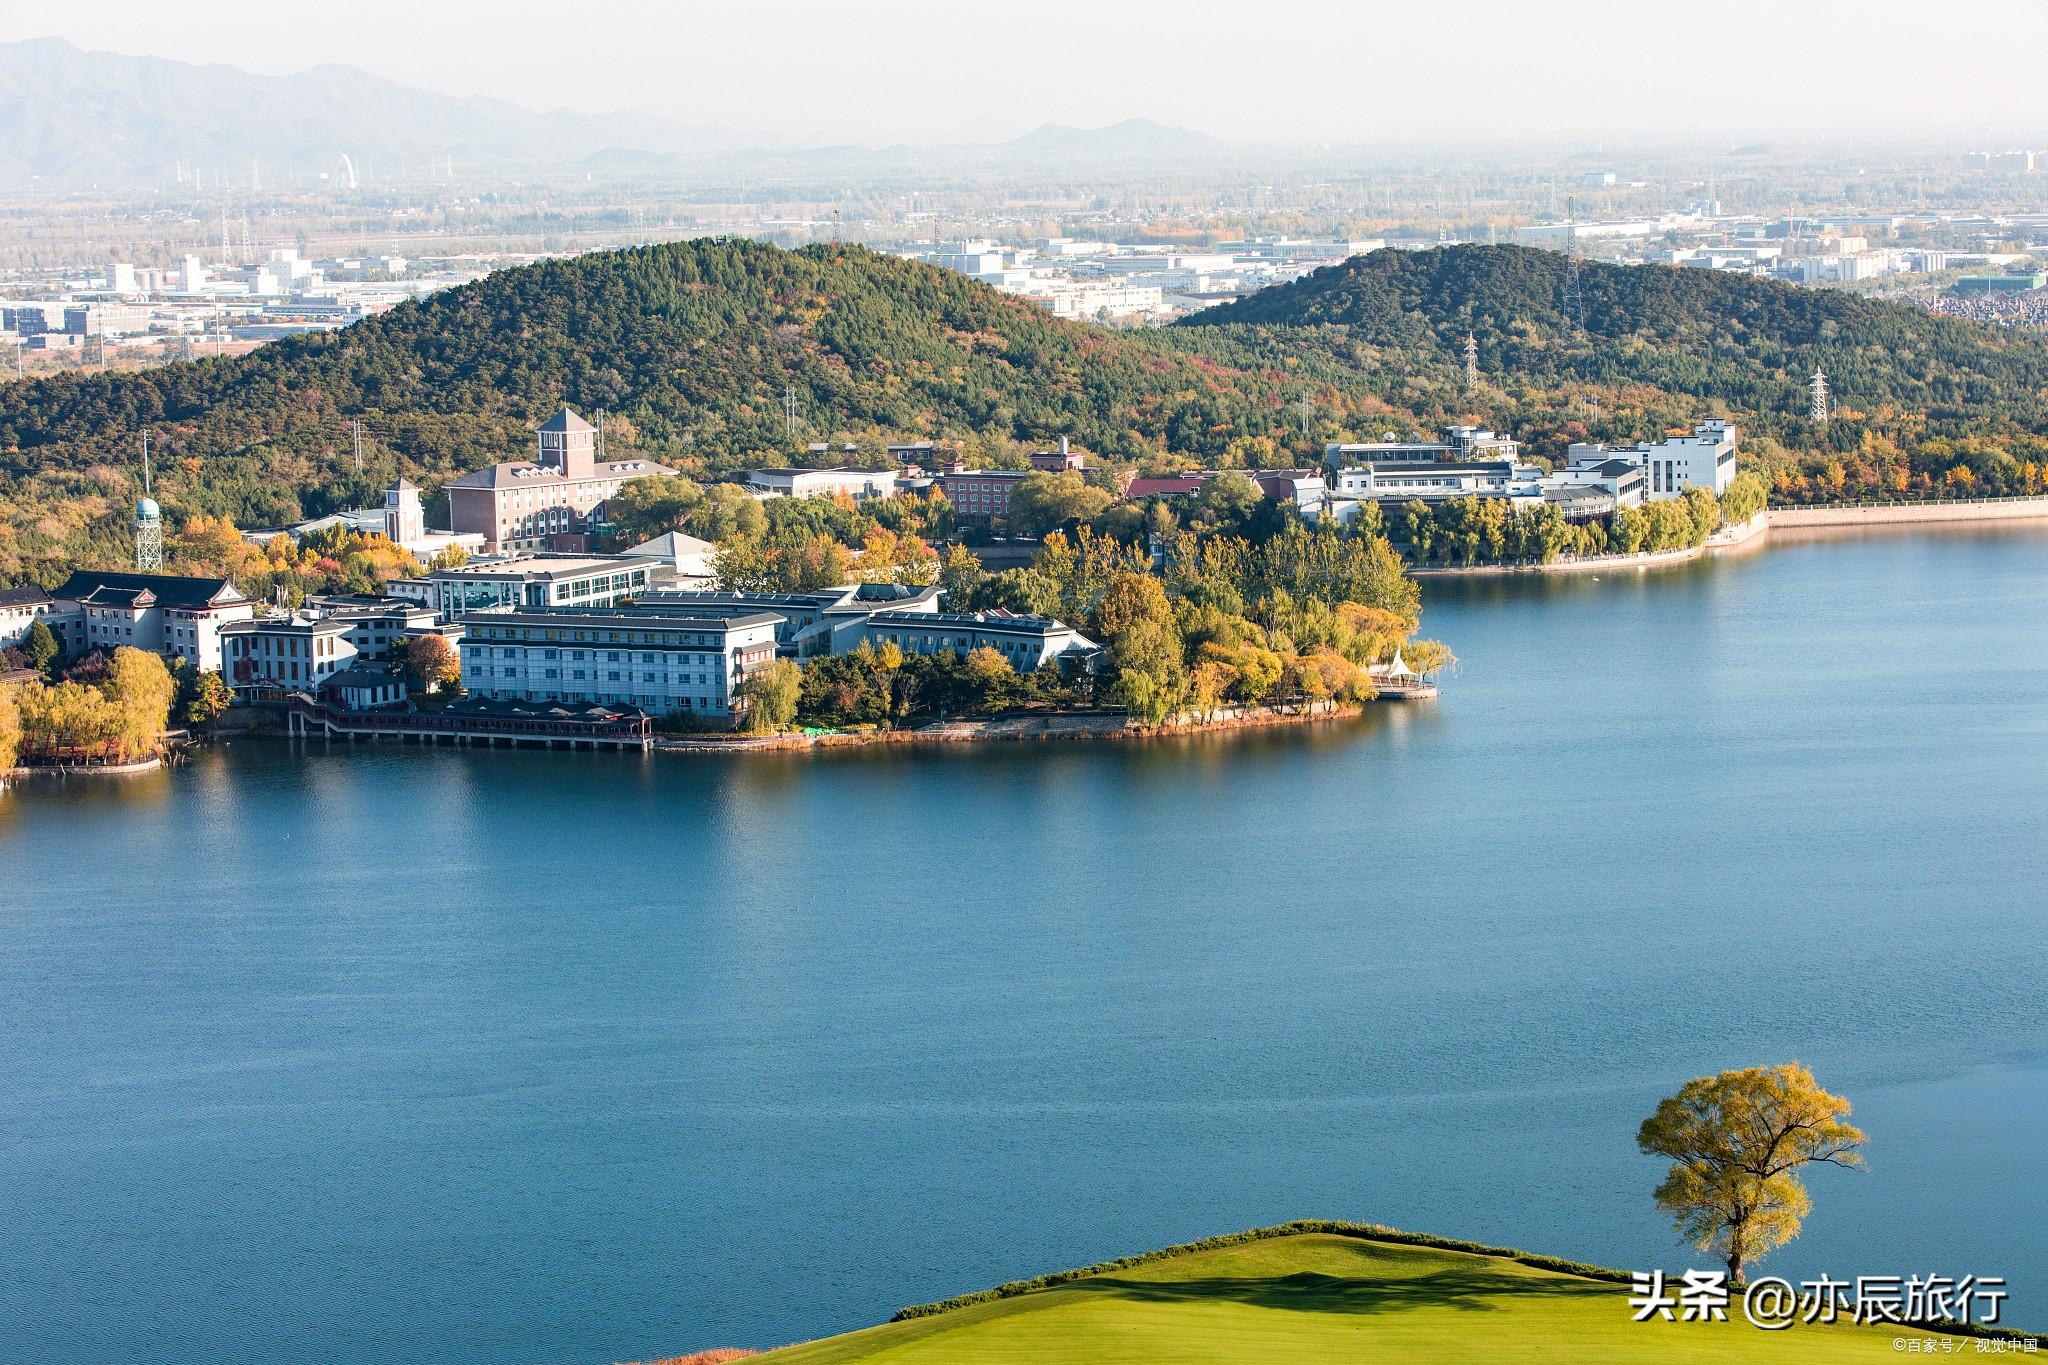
x=985 y=621
x=614 y=617
x=163 y=590
x=566 y=420
x=529 y=567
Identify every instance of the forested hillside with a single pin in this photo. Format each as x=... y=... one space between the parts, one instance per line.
x=1668 y=341
x=691 y=344
x=690 y=347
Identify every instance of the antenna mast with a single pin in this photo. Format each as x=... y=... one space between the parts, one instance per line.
x=149 y=523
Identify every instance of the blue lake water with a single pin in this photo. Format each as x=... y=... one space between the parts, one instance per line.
x=399 y=1054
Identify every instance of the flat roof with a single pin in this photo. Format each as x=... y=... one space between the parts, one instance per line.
x=537 y=567
x=606 y=616
x=946 y=620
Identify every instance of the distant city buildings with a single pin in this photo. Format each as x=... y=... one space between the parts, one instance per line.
x=1117 y=282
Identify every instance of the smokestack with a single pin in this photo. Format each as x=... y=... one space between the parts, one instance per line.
x=1063 y=445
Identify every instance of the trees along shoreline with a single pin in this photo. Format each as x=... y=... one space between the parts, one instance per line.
x=109 y=710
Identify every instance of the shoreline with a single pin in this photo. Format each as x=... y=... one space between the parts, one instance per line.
x=135 y=769
x=1755 y=534
x=1112 y=727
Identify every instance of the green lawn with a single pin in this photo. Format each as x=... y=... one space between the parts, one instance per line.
x=1319 y=1296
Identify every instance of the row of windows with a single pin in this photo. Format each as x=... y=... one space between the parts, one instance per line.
x=610 y=675
x=612 y=656
x=529 y=634
x=645 y=701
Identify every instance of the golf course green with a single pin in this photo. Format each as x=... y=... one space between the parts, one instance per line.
x=1313 y=1295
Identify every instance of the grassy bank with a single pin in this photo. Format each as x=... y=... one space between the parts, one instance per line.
x=1315 y=1292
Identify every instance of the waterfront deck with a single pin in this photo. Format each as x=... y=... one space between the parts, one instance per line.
x=306 y=718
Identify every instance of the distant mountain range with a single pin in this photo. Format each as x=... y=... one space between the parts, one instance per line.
x=75 y=118
x=86 y=117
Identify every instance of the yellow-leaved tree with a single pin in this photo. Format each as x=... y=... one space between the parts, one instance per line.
x=1737 y=1142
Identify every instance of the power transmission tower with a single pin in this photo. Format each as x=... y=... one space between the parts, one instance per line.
x=789 y=410
x=600 y=435
x=1821 y=409
x=1307 y=410
x=356 y=430
x=1574 y=301
x=1471 y=363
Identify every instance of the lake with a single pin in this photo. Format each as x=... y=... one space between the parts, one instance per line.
x=401 y=1054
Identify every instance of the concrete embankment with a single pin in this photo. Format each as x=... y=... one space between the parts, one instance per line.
x=1910 y=513
x=1748 y=535
x=1756 y=532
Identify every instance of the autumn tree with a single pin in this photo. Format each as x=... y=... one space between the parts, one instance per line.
x=960 y=573
x=1041 y=502
x=141 y=689
x=432 y=662
x=10 y=728
x=771 y=696
x=1737 y=1142
x=203 y=698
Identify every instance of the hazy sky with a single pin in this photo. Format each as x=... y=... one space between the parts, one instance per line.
x=1281 y=70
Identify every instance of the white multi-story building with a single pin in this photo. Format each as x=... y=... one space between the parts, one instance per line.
x=541 y=580
x=20 y=609
x=858 y=484
x=1433 y=482
x=162 y=613
x=270 y=656
x=1459 y=444
x=1028 y=642
x=659 y=663
x=830 y=621
x=1706 y=459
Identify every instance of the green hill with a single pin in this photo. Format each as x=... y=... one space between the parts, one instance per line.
x=1748 y=345
x=1325 y=1292
x=691 y=346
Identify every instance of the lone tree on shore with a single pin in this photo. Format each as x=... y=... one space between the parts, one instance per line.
x=1737 y=1142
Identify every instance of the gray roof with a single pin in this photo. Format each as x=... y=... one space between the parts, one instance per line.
x=166 y=590
x=527 y=474
x=23 y=597
x=566 y=420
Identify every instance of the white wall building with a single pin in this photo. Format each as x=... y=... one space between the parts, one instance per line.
x=659 y=663
x=1706 y=459
x=162 y=613
x=535 y=581
x=858 y=484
